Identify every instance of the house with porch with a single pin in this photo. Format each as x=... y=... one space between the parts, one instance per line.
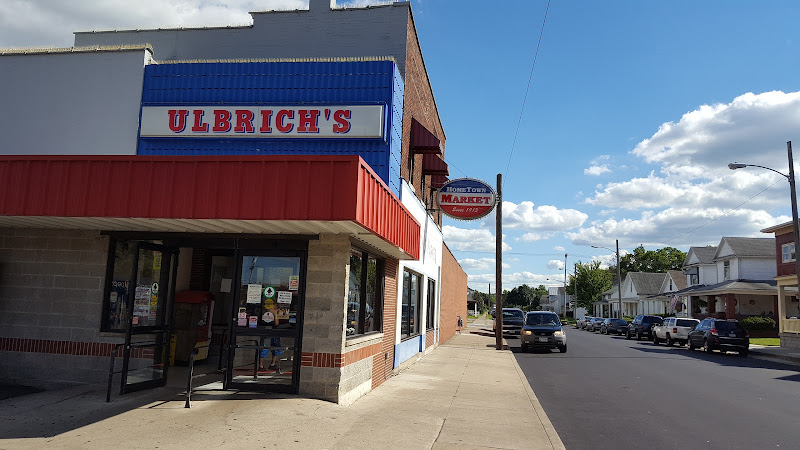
x=788 y=304
x=737 y=282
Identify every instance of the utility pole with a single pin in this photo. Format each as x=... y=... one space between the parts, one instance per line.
x=565 y=285
x=499 y=265
x=619 y=283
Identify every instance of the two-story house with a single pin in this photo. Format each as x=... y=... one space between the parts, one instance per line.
x=737 y=282
x=788 y=304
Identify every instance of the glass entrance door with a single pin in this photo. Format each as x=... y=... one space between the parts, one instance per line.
x=264 y=344
x=147 y=335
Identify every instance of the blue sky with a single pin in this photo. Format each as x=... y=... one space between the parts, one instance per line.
x=633 y=112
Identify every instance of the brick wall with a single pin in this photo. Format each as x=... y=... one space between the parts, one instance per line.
x=51 y=288
x=382 y=363
x=419 y=104
x=454 y=295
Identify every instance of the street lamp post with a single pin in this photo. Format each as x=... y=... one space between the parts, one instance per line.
x=793 y=192
x=565 y=286
x=619 y=279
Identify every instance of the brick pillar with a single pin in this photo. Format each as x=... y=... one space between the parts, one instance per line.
x=730 y=306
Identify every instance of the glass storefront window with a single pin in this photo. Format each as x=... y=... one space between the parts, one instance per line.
x=364 y=294
x=430 y=320
x=409 y=320
x=268 y=294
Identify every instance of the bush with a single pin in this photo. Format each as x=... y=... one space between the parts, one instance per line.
x=758 y=323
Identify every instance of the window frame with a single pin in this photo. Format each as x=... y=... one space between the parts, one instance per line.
x=380 y=285
x=788 y=253
x=726 y=269
x=406 y=301
x=430 y=307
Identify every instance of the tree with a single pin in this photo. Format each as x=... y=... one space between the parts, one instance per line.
x=657 y=261
x=521 y=296
x=539 y=293
x=588 y=283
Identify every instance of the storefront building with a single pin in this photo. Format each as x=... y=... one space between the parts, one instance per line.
x=265 y=206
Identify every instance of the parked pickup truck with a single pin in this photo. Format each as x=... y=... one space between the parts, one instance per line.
x=674 y=329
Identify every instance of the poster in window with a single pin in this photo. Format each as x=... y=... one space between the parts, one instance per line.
x=294 y=282
x=254 y=293
x=284 y=297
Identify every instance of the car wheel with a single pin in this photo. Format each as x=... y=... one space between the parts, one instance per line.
x=563 y=348
x=627 y=335
x=689 y=344
x=638 y=335
x=743 y=353
x=524 y=348
x=706 y=347
x=656 y=340
x=670 y=341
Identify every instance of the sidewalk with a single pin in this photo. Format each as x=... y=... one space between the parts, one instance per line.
x=464 y=394
x=777 y=354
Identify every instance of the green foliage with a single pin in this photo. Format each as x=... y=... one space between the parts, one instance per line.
x=521 y=296
x=657 y=261
x=588 y=283
x=774 y=342
x=758 y=323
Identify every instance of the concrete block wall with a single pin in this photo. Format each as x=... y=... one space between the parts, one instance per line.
x=51 y=288
x=323 y=318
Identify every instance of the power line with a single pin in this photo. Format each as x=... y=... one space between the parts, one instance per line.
x=527 y=88
x=724 y=214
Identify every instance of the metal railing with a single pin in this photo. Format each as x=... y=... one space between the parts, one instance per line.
x=111 y=371
x=195 y=351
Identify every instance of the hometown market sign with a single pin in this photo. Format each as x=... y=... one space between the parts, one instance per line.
x=466 y=199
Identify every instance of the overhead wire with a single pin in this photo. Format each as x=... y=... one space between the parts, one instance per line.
x=527 y=89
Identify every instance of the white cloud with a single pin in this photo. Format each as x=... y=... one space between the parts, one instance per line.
x=540 y=219
x=596 y=170
x=559 y=248
x=511 y=280
x=676 y=227
x=751 y=128
x=31 y=23
x=555 y=264
x=480 y=264
x=480 y=240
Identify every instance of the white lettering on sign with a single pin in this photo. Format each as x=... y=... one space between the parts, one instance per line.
x=362 y=121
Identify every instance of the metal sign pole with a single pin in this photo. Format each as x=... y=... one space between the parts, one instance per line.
x=498 y=315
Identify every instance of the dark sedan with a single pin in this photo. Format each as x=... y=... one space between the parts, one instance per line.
x=512 y=321
x=718 y=334
x=618 y=326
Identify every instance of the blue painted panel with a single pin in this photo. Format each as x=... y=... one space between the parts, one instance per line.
x=285 y=83
x=407 y=350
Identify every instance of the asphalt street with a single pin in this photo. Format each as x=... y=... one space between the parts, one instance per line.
x=609 y=392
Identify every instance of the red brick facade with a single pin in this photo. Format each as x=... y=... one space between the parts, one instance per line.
x=383 y=361
x=419 y=104
x=454 y=295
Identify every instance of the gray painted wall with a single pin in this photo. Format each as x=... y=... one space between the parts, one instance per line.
x=71 y=103
x=317 y=32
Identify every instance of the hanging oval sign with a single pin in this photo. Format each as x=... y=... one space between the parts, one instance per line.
x=466 y=199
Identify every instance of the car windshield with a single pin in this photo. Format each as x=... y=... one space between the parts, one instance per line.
x=685 y=323
x=619 y=322
x=512 y=313
x=542 y=319
x=727 y=326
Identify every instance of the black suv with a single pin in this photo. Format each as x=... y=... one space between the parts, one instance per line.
x=718 y=334
x=642 y=326
x=512 y=321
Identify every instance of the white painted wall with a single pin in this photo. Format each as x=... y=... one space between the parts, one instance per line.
x=757 y=269
x=71 y=103
x=430 y=263
x=317 y=32
x=708 y=274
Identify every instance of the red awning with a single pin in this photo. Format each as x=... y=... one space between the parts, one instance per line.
x=434 y=165
x=437 y=181
x=423 y=141
x=207 y=194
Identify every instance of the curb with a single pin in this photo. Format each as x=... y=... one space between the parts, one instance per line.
x=767 y=356
x=549 y=429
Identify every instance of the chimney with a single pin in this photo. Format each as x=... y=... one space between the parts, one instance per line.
x=320 y=6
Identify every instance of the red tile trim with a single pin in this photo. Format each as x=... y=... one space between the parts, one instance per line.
x=338 y=360
x=21 y=345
